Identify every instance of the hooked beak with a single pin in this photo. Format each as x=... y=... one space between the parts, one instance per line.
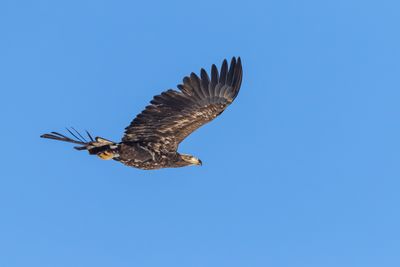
x=200 y=163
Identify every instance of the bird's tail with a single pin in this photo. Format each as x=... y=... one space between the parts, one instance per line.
x=103 y=148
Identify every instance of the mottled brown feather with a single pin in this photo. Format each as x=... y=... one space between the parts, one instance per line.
x=173 y=115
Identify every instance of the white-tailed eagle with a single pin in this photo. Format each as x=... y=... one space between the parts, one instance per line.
x=152 y=139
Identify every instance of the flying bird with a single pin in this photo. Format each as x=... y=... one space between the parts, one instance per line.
x=152 y=138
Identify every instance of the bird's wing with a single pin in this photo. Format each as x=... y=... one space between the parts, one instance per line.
x=173 y=115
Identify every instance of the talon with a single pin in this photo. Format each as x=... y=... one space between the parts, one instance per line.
x=106 y=155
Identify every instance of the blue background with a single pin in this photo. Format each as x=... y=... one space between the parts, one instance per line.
x=302 y=170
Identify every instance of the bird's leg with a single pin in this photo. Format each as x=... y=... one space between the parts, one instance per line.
x=106 y=155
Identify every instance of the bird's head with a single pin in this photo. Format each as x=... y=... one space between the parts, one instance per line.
x=190 y=160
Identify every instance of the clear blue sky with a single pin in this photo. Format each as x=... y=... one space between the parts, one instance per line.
x=302 y=170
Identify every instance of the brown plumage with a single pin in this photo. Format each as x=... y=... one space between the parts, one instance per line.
x=151 y=140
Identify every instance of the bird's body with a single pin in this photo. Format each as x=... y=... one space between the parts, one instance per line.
x=138 y=156
x=151 y=140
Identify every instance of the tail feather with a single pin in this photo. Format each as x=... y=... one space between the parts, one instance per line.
x=94 y=146
x=79 y=137
x=61 y=137
x=90 y=136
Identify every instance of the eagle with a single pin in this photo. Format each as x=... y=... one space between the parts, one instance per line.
x=152 y=138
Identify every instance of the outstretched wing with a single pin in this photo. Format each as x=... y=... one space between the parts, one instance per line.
x=173 y=115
